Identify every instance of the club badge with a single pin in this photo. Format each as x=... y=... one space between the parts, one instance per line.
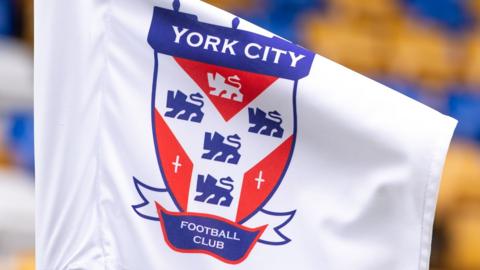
x=224 y=126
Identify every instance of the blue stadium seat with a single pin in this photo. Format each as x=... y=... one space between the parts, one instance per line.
x=6 y=17
x=280 y=16
x=285 y=29
x=20 y=139
x=295 y=4
x=465 y=107
x=453 y=14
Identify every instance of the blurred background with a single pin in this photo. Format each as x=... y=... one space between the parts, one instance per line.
x=426 y=49
x=17 y=236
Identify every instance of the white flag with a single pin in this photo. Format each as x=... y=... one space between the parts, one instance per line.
x=173 y=135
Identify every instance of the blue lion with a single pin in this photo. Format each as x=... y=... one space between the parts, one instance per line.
x=222 y=150
x=183 y=109
x=266 y=124
x=213 y=191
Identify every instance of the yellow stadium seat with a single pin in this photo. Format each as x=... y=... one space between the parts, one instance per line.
x=26 y=262
x=461 y=178
x=463 y=238
x=27 y=15
x=5 y=159
x=472 y=62
x=235 y=5
x=474 y=6
x=350 y=44
x=423 y=54
x=371 y=9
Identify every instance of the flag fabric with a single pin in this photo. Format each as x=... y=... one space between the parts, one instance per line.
x=173 y=135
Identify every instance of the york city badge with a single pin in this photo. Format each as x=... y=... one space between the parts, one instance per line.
x=224 y=128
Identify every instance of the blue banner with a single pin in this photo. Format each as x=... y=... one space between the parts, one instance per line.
x=182 y=35
x=202 y=233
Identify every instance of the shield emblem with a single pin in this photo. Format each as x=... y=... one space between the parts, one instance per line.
x=224 y=126
x=224 y=137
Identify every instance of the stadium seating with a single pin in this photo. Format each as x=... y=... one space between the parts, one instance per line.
x=463 y=230
x=354 y=46
x=472 y=61
x=372 y=9
x=20 y=139
x=461 y=178
x=452 y=14
x=464 y=105
x=422 y=55
x=26 y=262
x=474 y=7
x=235 y=5
x=6 y=18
